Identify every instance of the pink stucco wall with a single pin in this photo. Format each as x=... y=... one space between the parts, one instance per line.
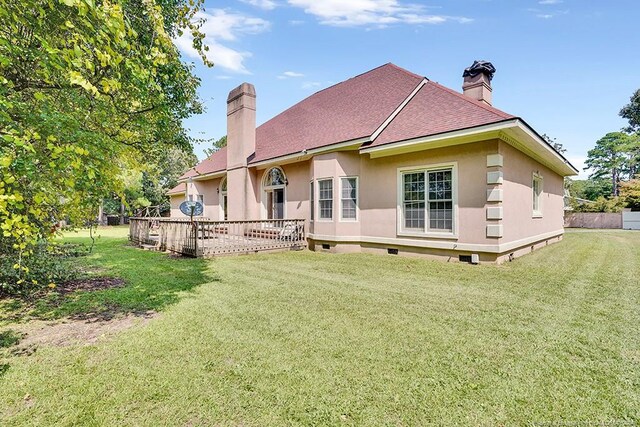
x=379 y=189
x=378 y=183
x=519 y=221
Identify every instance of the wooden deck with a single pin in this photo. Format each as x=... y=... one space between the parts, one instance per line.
x=203 y=238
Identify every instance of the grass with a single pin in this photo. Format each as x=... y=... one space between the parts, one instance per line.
x=304 y=338
x=154 y=281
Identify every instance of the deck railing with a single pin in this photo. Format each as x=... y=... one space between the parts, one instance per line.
x=208 y=238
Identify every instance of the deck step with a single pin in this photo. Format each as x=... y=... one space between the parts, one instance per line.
x=148 y=247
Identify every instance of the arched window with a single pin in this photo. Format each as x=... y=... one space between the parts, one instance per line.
x=274 y=184
x=274 y=177
x=223 y=198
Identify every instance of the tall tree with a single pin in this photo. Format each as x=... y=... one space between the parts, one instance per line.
x=218 y=144
x=86 y=89
x=554 y=143
x=631 y=112
x=608 y=158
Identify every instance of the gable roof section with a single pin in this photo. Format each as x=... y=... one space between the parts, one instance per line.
x=178 y=189
x=347 y=111
x=436 y=109
x=217 y=162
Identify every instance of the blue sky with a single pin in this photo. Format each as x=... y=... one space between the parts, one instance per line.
x=566 y=67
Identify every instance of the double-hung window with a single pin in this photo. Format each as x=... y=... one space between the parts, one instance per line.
x=428 y=200
x=536 y=186
x=325 y=199
x=349 y=198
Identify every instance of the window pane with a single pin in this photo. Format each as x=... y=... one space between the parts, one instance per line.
x=413 y=203
x=312 y=204
x=349 y=198
x=275 y=177
x=440 y=200
x=325 y=198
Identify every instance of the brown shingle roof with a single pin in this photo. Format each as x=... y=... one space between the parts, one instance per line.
x=217 y=162
x=178 y=189
x=436 y=109
x=346 y=111
x=355 y=109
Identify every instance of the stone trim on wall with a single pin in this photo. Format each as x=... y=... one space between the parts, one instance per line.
x=495 y=195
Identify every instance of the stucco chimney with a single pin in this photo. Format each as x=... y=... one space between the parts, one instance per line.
x=477 y=81
x=241 y=125
x=241 y=143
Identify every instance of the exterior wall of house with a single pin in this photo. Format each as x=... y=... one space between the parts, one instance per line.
x=513 y=232
x=336 y=166
x=297 y=195
x=519 y=220
x=380 y=185
x=174 y=202
x=477 y=174
x=209 y=190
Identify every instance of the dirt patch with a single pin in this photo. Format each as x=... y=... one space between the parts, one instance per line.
x=90 y=284
x=75 y=331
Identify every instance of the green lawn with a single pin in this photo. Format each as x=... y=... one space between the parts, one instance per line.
x=303 y=338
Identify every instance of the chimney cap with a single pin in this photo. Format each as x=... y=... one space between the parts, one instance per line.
x=480 y=67
x=243 y=89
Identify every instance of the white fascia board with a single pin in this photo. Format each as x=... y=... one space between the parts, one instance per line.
x=451 y=138
x=307 y=154
x=205 y=176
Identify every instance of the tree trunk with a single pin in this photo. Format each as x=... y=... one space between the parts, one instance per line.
x=121 y=213
x=101 y=220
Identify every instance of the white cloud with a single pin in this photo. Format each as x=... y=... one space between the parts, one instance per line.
x=545 y=14
x=290 y=74
x=222 y=26
x=311 y=85
x=296 y=22
x=380 y=13
x=262 y=4
x=579 y=163
x=550 y=2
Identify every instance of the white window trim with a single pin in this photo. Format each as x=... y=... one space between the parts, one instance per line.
x=312 y=200
x=221 y=198
x=266 y=188
x=537 y=213
x=357 y=218
x=333 y=200
x=400 y=231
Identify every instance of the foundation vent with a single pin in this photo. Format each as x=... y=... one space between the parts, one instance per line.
x=392 y=251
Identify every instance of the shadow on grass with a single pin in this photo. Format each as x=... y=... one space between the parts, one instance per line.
x=152 y=281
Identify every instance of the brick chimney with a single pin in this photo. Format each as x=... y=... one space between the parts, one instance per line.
x=477 y=81
x=241 y=143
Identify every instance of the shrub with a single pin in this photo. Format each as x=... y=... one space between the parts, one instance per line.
x=44 y=268
x=601 y=204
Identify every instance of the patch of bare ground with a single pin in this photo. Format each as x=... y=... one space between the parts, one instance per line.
x=90 y=284
x=75 y=331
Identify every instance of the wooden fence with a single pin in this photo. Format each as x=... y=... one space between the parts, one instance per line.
x=593 y=220
x=209 y=238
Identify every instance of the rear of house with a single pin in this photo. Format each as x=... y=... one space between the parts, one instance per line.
x=389 y=162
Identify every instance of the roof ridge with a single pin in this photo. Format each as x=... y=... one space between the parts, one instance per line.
x=404 y=70
x=407 y=72
x=367 y=72
x=489 y=108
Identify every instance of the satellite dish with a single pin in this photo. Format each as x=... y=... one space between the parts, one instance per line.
x=191 y=208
